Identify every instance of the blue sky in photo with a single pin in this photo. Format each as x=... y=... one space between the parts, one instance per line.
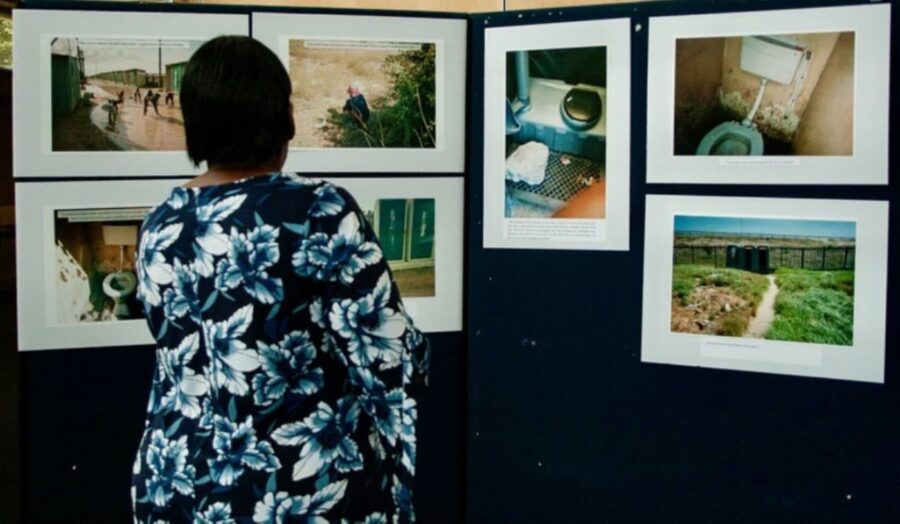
x=765 y=226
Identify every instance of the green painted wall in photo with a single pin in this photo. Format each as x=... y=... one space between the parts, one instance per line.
x=66 y=81
x=174 y=76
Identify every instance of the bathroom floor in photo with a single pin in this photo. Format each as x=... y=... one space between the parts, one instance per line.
x=565 y=176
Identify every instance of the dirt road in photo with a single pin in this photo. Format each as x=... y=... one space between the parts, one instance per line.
x=135 y=131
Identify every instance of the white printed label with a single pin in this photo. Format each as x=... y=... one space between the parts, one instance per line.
x=761 y=351
x=562 y=229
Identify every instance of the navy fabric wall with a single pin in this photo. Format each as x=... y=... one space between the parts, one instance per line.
x=565 y=424
x=84 y=414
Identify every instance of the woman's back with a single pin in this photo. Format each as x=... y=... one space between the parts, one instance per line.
x=284 y=359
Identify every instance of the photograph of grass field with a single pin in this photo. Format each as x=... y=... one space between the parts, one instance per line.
x=776 y=279
x=363 y=94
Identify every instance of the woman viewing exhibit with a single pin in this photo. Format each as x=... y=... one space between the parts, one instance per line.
x=285 y=359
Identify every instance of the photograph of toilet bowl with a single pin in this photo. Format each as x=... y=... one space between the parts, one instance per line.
x=782 y=96
x=556 y=133
x=95 y=259
x=119 y=286
x=789 y=94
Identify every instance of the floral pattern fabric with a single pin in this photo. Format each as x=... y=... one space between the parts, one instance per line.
x=285 y=360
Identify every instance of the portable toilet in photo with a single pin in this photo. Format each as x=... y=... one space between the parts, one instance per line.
x=731 y=256
x=763 y=256
x=747 y=258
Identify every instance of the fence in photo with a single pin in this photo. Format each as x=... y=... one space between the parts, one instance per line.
x=763 y=259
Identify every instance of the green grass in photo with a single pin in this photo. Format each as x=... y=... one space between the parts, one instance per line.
x=750 y=287
x=403 y=119
x=813 y=306
x=747 y=285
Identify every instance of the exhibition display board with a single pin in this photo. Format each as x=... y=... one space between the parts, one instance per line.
x=97 y=95
x=733 y=358
x=634 y=222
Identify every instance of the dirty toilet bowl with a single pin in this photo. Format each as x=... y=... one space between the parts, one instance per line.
x=119 y=286
x=731 y=138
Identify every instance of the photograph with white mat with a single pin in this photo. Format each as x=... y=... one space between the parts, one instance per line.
x=387 y=95
x=98 y=93
x=770 y=97
x=76 y=245
x=787 y=286
x=556 y=135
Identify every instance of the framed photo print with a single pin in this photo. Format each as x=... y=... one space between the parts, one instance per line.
x=787 y=286
x=76 y=245
x=97 y=93
x=383 y=95
x=770 y=97
x=419 y=224
x=556 y=135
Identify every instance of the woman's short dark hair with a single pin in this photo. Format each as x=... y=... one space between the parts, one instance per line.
x=236 y=101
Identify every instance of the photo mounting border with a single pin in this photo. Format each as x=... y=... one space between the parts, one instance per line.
x=32 y=110
x=615 y=35
x=449 y=36
x=869 y=163
x=36 y=259
x=863 y=361
x=36 y=242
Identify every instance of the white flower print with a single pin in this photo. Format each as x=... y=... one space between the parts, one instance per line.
x=336 y=257
x=186 y=386
x=153 y=270
x=371 y=326
x=210 y=240
x=231 y=358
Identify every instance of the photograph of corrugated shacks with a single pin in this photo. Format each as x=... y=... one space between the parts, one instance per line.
x=766 y=278
x=118 y=94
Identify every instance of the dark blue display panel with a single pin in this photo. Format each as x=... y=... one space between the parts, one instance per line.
x=85 y=414
x=565 y=424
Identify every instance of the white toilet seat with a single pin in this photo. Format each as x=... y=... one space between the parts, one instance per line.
x=125 y=281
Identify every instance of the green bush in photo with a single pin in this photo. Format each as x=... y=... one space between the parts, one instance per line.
x=405 y=118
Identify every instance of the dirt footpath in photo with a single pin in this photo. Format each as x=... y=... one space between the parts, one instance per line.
x=319 y=80
x=135 y=131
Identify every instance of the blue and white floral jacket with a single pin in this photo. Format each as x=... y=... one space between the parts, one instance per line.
x=285 y=360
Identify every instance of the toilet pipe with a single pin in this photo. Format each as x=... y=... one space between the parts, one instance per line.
x=523 y=79
x=748 y=122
